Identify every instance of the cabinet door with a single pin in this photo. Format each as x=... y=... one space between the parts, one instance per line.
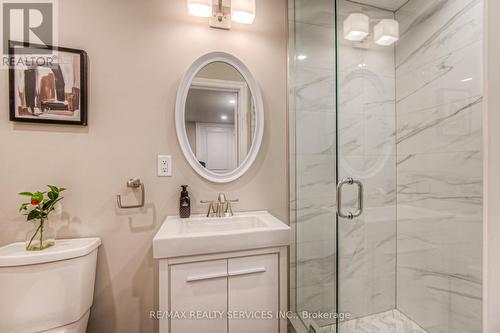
x=253 y=294
x=199 y=286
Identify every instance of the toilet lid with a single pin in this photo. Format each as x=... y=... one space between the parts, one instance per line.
x=15 y=254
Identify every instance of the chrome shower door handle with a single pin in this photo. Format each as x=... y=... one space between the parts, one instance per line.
x=359 y=210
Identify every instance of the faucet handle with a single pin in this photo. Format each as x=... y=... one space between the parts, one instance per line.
x=229 y=209
x=211 y=209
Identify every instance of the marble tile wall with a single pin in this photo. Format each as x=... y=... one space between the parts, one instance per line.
x=366 y=125
x=439 y=164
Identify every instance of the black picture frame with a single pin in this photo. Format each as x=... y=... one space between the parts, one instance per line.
x=83 y=119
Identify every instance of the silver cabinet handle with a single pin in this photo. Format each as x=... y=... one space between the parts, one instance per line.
x=248 y=271
x=208 y=276
x=340 y=185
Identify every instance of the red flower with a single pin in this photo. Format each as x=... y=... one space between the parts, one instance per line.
x=34 y=202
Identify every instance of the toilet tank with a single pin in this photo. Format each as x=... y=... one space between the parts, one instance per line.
x=41 y=290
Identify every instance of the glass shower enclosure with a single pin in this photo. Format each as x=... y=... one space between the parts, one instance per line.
x=391 y=133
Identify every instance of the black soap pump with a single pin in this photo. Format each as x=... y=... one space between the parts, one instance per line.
x=184 y=203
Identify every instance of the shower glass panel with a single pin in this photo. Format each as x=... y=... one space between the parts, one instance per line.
x=402 y=120
x=312 y=158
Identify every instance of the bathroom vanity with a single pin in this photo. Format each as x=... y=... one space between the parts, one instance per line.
x=225 y=274
x=221 y=274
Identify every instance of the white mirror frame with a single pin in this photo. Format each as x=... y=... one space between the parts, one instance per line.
x=180 y=106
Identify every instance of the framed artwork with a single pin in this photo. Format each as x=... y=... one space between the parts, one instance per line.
x=50 y=91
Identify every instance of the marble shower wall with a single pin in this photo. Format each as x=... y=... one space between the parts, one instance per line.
x=439 y=164
x=313 y=129
x=366 y=116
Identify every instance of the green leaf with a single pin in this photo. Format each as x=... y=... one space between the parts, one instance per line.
x=56 y=189
x=34 y=214
x=53 y=188
x=28 y=194
x=50 y=206
x=47 y=204
x=38 y=196
x=53 y=195
x=24 y=206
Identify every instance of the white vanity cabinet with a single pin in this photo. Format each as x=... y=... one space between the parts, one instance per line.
x=222 y=274
x=233 y=292
x=198 y=286
x=253 y=288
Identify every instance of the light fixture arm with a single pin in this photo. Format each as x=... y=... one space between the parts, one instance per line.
x=219 y=5
x=221 y=16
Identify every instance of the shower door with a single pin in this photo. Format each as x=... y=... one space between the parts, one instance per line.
x=366 y=162
x=342 y=129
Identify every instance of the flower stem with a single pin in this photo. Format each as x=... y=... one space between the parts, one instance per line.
x=41 y=234
x=33 y=237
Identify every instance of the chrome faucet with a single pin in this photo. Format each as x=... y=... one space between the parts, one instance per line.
x=221 y=207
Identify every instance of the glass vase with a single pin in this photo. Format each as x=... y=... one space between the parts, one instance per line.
x=41 y=237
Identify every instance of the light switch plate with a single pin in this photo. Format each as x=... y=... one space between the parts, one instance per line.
x=164 y=166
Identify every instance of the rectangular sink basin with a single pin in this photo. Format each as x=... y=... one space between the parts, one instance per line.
x=201 y=235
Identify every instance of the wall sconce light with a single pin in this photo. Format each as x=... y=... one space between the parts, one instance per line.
x=221 y=12
x=356 y=27
x=386 y=32
x=243 y=11
x=200 y=8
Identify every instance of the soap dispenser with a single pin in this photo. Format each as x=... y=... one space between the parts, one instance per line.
x=184 y=203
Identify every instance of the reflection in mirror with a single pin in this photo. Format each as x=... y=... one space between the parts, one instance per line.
x=220 y=117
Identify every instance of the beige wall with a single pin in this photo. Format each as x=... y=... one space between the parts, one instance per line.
x=492 y=169
x=138 y=52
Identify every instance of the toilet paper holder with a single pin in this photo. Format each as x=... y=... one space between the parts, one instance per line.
x=133 y=183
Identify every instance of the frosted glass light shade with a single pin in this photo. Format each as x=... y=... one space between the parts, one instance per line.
x=201 y=8
x=386 y=32
x=356 y=27
x=243 y=11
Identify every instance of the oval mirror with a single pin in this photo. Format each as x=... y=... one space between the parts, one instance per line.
x=219 y=117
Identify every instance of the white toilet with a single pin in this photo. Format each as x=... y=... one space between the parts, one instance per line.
x=49 y=291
